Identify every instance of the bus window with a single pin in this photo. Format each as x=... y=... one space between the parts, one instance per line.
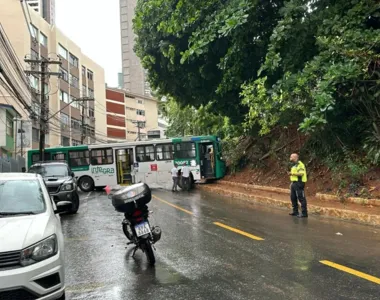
x=145 y=153
x=36 y=157
x=101 y=156
x=79 y=158
x=58 y=156
x=164 y=152
x=185 y=150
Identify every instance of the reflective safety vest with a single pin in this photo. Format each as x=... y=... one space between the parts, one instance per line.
x=298 y=168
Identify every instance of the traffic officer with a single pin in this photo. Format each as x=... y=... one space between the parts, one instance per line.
x=298 y=178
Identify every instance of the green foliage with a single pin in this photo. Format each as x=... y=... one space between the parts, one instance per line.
x=202 y=51
x=265 y=66
x=187 y=120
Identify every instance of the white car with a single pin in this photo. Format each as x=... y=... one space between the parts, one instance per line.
x=31 y=239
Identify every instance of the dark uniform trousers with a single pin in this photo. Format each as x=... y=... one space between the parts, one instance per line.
x=298 y=193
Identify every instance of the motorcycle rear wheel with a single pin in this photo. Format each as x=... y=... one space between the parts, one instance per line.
x=149 y=253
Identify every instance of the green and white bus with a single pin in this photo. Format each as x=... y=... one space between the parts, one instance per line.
x=99 y=165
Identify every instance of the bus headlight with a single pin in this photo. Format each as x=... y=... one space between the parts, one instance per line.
x=193 y=163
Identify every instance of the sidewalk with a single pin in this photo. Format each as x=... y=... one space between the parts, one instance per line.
x=354 y=209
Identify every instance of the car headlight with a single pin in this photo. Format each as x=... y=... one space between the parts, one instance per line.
x=40 y=251
x=193 y=163
x=67 y=187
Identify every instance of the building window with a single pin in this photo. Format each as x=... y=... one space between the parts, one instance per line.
x=83 y=72
x=140 y=112
x=91 y=113
x=145 y=153
x=64 y=121
x=139 y=101
x=84 y=91
x=10 y=127
x=90 y=93
x=43 y=39
x=77 y=143
x=75 y=124
x=73 y=102
x=34 y=31
x=64 y=74
x=74 y=81
x=164 y=152
x=65 y=141
x=63 y=96
x=90 y=75
x=73 y=60
x=36 y=108
x=62 y=51
x=101 y=156
x=35 y=135
x=79 y=158
x=34 y=82
x=34 y=54
x=185 y=150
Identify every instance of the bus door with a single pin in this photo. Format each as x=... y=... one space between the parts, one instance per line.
x=207 y=160
x=124 y=166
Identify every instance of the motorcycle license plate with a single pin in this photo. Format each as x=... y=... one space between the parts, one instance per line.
x=142 y=229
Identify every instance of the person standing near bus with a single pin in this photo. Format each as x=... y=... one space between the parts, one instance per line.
x=175 y=178
x=185 y=177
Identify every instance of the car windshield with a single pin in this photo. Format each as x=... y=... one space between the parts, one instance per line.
x=21 y=197
x=50 y=170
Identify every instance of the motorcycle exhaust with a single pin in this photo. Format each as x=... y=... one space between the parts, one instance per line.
x=156 y=234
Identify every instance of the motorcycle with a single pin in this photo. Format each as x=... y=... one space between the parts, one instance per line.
x=132 y=202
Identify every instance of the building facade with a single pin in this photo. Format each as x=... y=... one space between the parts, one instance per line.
x=80 y=77
x=134 y=76
x=46 y=8
x=126 y=112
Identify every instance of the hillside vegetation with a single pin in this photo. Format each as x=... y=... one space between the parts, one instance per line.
x=270 y=78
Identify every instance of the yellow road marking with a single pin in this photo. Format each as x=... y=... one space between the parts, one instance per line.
x=251 y=236
x=351 y=271
x=173 y=205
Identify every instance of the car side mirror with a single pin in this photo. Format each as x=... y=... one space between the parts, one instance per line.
x=63 y=206
x=72 y=174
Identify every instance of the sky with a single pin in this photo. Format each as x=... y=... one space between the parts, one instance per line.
x=94 y=25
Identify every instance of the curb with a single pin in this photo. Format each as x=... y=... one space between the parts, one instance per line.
x=343 y=214
x=319 y=196
x=361 y=201
x=256 y=187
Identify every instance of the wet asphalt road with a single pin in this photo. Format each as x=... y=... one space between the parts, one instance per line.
x=197 y=259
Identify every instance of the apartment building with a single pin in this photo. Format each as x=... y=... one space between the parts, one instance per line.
x=126 y=111
x=134 y=76
x=46 y=8
x=80 y=77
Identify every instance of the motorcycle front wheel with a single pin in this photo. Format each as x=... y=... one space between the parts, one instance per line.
x=149 y=252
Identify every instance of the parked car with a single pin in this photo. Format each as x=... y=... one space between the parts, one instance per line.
x=60 y=182
x=32 y=243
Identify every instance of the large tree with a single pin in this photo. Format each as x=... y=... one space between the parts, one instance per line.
x=202 y=51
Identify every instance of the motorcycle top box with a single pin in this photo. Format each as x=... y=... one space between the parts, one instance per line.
x=127 y=199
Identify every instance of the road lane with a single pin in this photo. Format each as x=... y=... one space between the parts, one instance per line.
x=198 y=260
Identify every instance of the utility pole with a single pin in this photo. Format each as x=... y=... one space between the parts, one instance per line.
x=82 y=127
x=139 y=124
x=44 y=73
x=22 y=139
x=83 y=133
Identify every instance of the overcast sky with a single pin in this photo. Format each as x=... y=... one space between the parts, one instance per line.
x=94 y=26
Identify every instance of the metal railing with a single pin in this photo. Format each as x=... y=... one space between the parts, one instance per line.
x=8 y=165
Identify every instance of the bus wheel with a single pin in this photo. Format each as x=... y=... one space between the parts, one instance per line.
x=86 y=184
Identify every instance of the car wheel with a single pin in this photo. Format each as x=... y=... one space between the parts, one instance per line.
x=86 y=184
x=75 y=206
